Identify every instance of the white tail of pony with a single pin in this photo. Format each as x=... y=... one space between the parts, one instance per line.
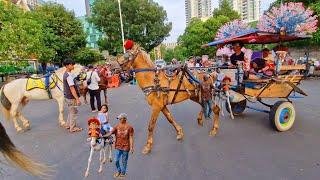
x=5 y=112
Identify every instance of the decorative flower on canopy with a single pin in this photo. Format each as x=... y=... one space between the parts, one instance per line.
x=292 y=18
x=233 y=28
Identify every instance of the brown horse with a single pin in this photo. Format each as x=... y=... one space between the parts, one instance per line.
x=103 y=85
x=13 y=155
x=156 y=95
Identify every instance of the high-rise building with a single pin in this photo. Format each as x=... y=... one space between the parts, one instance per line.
x=248 y=9
x=197 y=8
x=93 y=34
x=89 y=4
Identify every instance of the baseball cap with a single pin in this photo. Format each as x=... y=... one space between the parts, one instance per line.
x=122 y=115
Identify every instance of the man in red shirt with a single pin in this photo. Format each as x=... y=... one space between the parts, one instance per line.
x=124 y=143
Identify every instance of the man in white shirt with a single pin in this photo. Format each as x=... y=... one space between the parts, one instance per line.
x=93 y=86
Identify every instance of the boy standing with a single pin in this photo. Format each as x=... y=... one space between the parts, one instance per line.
x=71 y=94
x=124 y=143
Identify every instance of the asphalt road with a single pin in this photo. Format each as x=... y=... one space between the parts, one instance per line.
x=245 y=148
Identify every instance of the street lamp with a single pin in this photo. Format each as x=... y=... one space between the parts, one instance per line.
x=121 y=23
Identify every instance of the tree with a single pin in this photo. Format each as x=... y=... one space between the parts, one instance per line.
x=144 y=21
x=87 y=56
x=198 y=33
x=21 y=35
x=64 y=34
x=225 y=9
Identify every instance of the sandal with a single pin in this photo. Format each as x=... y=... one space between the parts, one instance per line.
x=76 y=129
x=116 y=175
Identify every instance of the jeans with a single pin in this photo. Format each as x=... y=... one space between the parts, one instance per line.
x=207 y=108
x=95 y=94
x=124 y=158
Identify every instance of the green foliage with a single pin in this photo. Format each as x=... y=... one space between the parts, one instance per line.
x=144 y=21
x=87 y=56
x=21 y=35
x=178 y=53
x=64 y=34
x=50 y=32
x=198 y=33
x=225 y=9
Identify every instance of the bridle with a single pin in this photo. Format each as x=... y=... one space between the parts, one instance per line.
x=129 y=56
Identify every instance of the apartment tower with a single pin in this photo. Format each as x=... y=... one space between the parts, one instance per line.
x=197 y=8
x=248 y=9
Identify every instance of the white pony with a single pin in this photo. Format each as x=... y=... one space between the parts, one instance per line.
x=97 y=143
x=14 y=96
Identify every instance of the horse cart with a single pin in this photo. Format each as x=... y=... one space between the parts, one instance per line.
x=282 y=86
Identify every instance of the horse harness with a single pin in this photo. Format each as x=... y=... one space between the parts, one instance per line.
x=170 y=73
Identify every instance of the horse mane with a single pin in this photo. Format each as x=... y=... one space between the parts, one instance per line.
x=145 y=55
x=147 y=59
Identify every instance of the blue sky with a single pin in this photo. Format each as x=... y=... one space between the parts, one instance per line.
x=175 y=10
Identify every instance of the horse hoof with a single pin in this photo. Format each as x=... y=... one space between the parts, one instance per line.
x=63 y=123
x=213 y=133
x=86 y=174
x=200 y=123
x=110 y=160
x=100 y=171
x=146 y=150
x=180 y=134
x=19 y=130
x=180 y=137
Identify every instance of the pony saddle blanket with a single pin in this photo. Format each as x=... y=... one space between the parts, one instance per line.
x=40 y=83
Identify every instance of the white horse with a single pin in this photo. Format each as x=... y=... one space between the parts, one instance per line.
x=14 y=96
x=97 y=143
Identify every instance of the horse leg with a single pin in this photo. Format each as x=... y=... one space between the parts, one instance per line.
x=14 y=113
x=85 y=96
x=61 y=105
x=200 y=117
x=169 y=117
x=25 y=121
x=104 y=155
x=89 y=162
x=216 y=111
x=152 y=123
x=101 y=159
x=110 y=152
x=105 y=96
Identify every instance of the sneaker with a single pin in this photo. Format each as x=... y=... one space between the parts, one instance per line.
x=122 y=175
x=116 y=175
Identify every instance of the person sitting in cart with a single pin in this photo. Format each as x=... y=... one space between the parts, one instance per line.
x=239 y=56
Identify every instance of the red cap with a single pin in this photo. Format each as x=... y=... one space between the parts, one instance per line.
x=93 y=120
x=226 y=78
x=128 y=44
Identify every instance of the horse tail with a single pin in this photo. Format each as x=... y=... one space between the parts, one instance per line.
x=13 y=155
x=5 y=104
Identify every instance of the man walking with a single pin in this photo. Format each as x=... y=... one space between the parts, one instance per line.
x=71 y=94
x=93 y=86
x=206 y=96
x=124 y=143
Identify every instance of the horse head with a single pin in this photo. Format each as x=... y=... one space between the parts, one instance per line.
x=94 y=130
x=136 y=58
